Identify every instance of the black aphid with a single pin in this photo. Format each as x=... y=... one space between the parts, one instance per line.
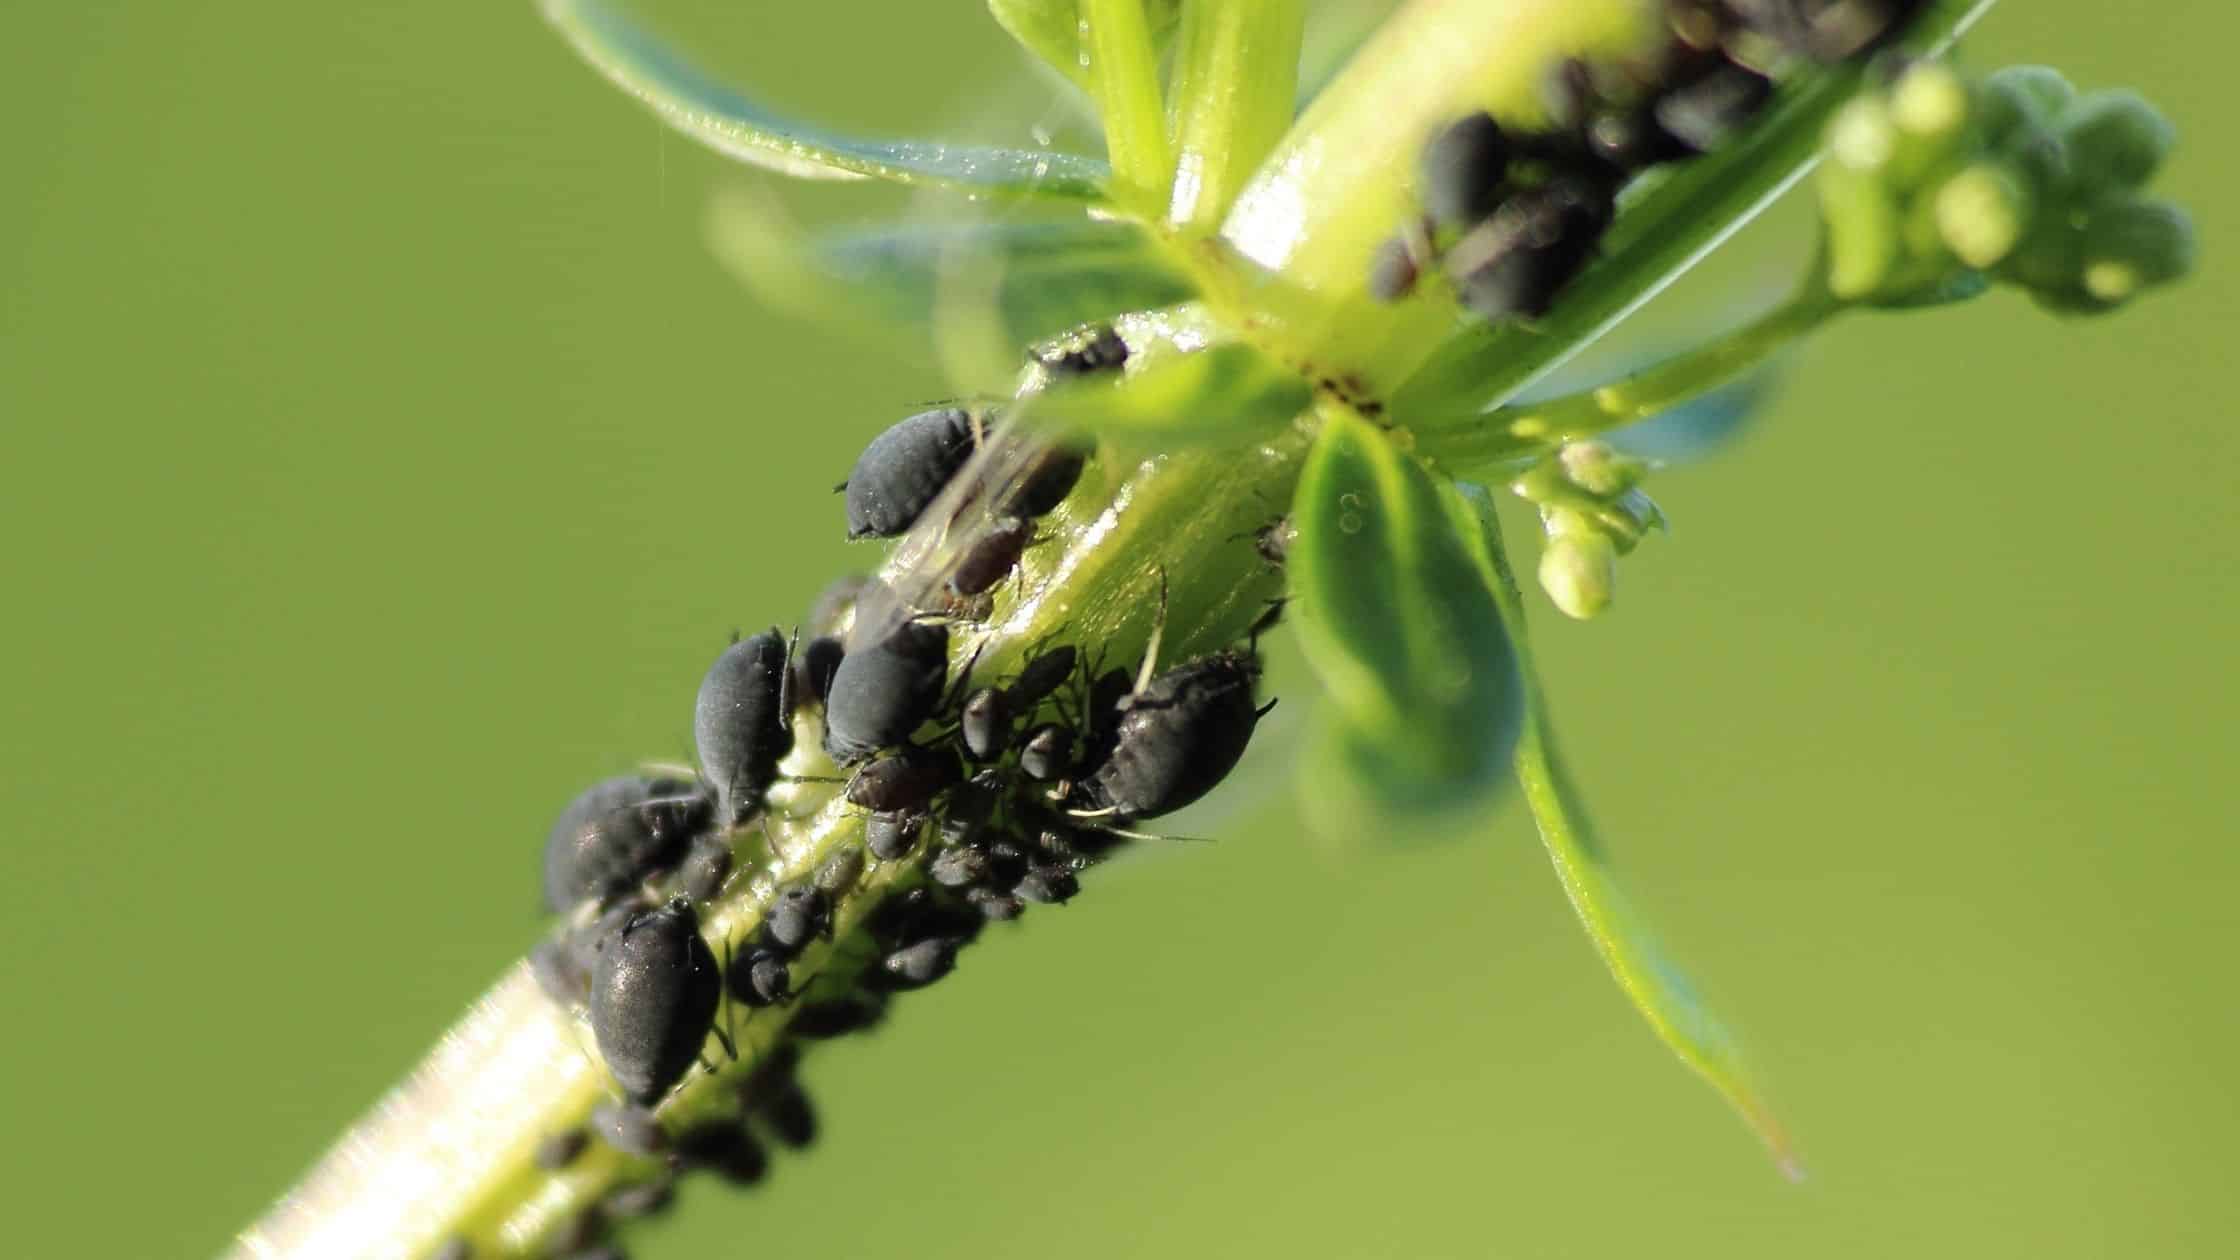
x=654 y=994
x=616 y=834
x=739 y=723
x=1707 y=111
x=996 y=907
x=813 y=668
x=891 y=837
x=839 y=872
x=797 y=915
x=762 y=978
x=1046 y=754
x=835 y=1018
x=985 y=725
x=904 y=469
x=906 y=779
x=643 y=1199
x=1096 y=348
x=917 y=965
x=959 y=865
x=1050 y=475
x=1520 y=259
x=1273 y=540
x=1106 y=694
x=965 y=811
x=1393 y=270
x=885 y=690
x=631 y=1130
x=1047 y=883
x=1177 y=737
x=991 y=557
x=1463 y=169
x=726 y=1149
x=788 y=1112
x=558 y=1150
x=1040 y=677
x=705 y=868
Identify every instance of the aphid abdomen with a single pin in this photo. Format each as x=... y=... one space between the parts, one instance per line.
x=654 y=994
x=883 y=692
x=616 y=834
x=904 y=469
x=739 y=723
x=1178 y=738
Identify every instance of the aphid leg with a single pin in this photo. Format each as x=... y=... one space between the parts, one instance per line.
x=1150 y=664
x=964 y=678
x=1262 y=711
x=1265 y=622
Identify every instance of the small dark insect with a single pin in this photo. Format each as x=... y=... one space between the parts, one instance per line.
x=839 y=872
x=1040 y=677
x=643 y=1199
x=969 y=805
x=631 y=1130
x=1046 y=755
x=1177 y=737
x=1050 y=475
x=890 y=837
x=814 y=667
x=1393 y=270
x=1273 y=541
x=835 y=1018
x=559 y=972
x=705 y=868
x=904 y=469
x=1106 y=693
x=739 y=723
x=959 y=865
x=725 y=1149
x=1095 y=348
x=558 y=1150
x=907 y=779
x=991 y=557
x=1007 y=862
x=654 y=994
x=996 y=907
x=762 y=978
x=1048 y=884
x=1516 y=262
x=796 y=915
x=1462 y=171
x=1828 y=30
x=616 y=834
x=885 y=690
x=899 y=917
x=789 y=1114
x=916 y=966
x=986 y=724
x=1705 y=112
x=453 y=1248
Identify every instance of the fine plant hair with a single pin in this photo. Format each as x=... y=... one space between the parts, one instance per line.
x=1269 y=365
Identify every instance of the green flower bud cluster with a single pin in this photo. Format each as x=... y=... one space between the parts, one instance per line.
x=1592 y=510
x=1933 y=186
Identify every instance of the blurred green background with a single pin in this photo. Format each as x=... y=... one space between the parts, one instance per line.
x=382 y=457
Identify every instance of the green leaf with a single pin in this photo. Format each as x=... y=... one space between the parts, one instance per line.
x=1051 y=30
x=731 y=124
x=1035 y=279
x=1398 y=621
x=1668 y=220
x=1650 y=980
x=1185 y=382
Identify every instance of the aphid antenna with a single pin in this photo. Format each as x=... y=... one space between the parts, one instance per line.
x=785 y=676
x=1125 y=833
x=964 y=676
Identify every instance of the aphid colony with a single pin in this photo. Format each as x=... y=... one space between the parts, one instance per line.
x=1510 y=216
x=992 y=793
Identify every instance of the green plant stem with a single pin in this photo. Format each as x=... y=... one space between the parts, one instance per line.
x=1236 y=72
x=1124 y=71
x=1475 y=443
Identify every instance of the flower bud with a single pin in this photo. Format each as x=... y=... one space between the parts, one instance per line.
x=1597 y=469
x=2135 y=245
x=2116 y=139
x=2020 y=98
x=1578 y=569
x=1981 y=213
x=1862 y=229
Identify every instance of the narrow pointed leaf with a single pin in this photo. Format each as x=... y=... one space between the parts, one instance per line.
x=1041 y=278
x=1650 y=980
x=1051 y=30
x=1395 y=616
x=727 y=121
